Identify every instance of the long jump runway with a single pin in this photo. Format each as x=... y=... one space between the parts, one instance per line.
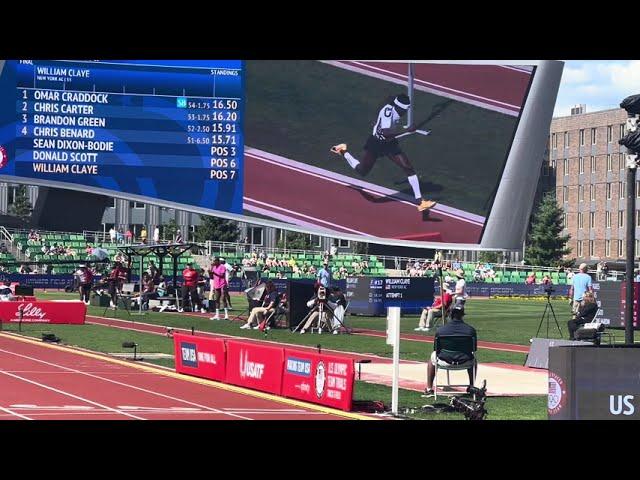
x=40 y=381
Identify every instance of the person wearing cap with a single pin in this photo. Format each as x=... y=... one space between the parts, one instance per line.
x=85 y=282
x=324 y=275
x=383 y=143
x=430 y=315
x=581 y=283
x=461 y=284
x=455 y=326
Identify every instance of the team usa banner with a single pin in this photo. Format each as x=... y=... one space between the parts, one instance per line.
x=410 y=153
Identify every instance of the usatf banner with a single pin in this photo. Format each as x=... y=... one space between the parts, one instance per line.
x=255 y=366
x=318 y=378
x=200 y=356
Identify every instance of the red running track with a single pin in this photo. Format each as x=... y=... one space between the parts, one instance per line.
x=39 y=381
x=362 y=211
x=491 y=86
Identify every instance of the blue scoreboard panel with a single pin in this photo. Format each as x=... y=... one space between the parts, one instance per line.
x=169 y=130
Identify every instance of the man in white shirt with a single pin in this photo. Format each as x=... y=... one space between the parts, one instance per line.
x=383 y=142
x=460 y=284
x=112 y=235
x=156 y=235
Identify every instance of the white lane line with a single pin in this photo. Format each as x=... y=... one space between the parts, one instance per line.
x=15 y=414
x=216 y=410
x=62 y=392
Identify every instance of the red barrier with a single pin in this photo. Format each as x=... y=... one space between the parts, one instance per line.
x=319 y=378
x=72 y=312
x=255 y=366
x=200 y=356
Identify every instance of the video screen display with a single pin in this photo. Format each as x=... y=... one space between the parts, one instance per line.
x=385 y=152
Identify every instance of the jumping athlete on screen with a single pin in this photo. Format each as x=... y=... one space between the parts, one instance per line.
x=383 y=142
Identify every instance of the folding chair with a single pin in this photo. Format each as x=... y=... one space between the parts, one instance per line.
x=455 y=344
x=271 y=316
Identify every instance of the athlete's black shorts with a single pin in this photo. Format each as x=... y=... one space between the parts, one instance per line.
x=382 y=148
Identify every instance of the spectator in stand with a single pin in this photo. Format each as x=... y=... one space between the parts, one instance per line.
x=179 y=238
x=637 y=275
x=190 y=288
x=605 y=270
x=112 y=235
x=599 y=270
x=432 y=313
x=156 y=235
x=569 y=274
x=456 y=264
x=546 y=280
x=24 y=269
x=3 y=248
x=45 y=248
x=143 y=235
x=128 y=236
x=119 y=236
x=531 y=279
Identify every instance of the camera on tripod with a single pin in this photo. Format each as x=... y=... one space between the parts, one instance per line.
x=322 y=294
x=549 y=290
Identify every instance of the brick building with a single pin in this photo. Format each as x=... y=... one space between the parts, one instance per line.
x=585 y=161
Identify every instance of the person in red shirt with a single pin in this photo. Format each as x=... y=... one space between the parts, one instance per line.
x=190 y=288
x=432 y=313
x=116 y=278
x=85 y=281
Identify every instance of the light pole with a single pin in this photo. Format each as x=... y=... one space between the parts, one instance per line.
x=631 y=144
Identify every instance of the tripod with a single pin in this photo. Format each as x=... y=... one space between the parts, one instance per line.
x=548 y=311
x=115 y=299
x=325 y=317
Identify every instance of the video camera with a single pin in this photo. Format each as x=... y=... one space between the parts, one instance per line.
x=549 y=290
x=472 y=408
x=322 y=294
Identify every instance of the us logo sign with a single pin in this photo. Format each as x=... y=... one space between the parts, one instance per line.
x=189 y=354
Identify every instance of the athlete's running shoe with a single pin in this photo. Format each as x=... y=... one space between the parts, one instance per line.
x=339 y=149
x=426 y=205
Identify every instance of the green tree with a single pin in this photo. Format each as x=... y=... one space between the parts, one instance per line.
x=545 y=243
x=217 y=230
x=169 y=230
x=21 y=206
x=295 y=241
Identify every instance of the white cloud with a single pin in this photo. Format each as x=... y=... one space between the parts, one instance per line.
x=575 y=75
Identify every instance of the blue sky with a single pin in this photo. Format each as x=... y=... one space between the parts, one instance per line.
x=600 y=84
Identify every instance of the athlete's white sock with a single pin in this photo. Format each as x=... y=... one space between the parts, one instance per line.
x=415 y=185
x=353 y=161
x=226 y=313
x=217 y=312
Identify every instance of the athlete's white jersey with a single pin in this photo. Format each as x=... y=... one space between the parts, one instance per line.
x=387 y=118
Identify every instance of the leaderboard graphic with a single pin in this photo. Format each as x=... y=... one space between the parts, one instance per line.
x=165 y=130
x=292 y=144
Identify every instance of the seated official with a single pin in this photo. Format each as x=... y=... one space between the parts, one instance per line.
x=149 y=292
x=269 y=304
x=321 y=296
x=338 y=302
x=586 y=313
x=455 y=326
x=430 y=315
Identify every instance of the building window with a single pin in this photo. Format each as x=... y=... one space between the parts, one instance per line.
x=344 y=243
x=637 y=189
x=608 y=191
x=582 y=137
x=115 y=203
x=593 y=164
x=566 y=166
x=565 y=194
x=554 y=141
x=592 y=219
x=315 y=241
x=609 y=133
x=635 y=253
x=607 y=248
x=621 y=162
x=565 y=221
x=621 y=189
x=620 y=219
x=566 y=139
x=581 y=162
x=637 y=218
x=581 y=193
x=620 y=248
x=593 y=136
x=580 y=221
x=591 y=249
x=621 y=130
x=607 y=219
x=609 y=165
x=579 y=248
x=138 y=205
x=255 y=235
x=592 y=193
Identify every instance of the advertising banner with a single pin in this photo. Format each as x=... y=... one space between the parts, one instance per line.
x=255 y=366
x=59 y=312
x=200 y=356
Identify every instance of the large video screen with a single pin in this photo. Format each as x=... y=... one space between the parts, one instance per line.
x=410 y=153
